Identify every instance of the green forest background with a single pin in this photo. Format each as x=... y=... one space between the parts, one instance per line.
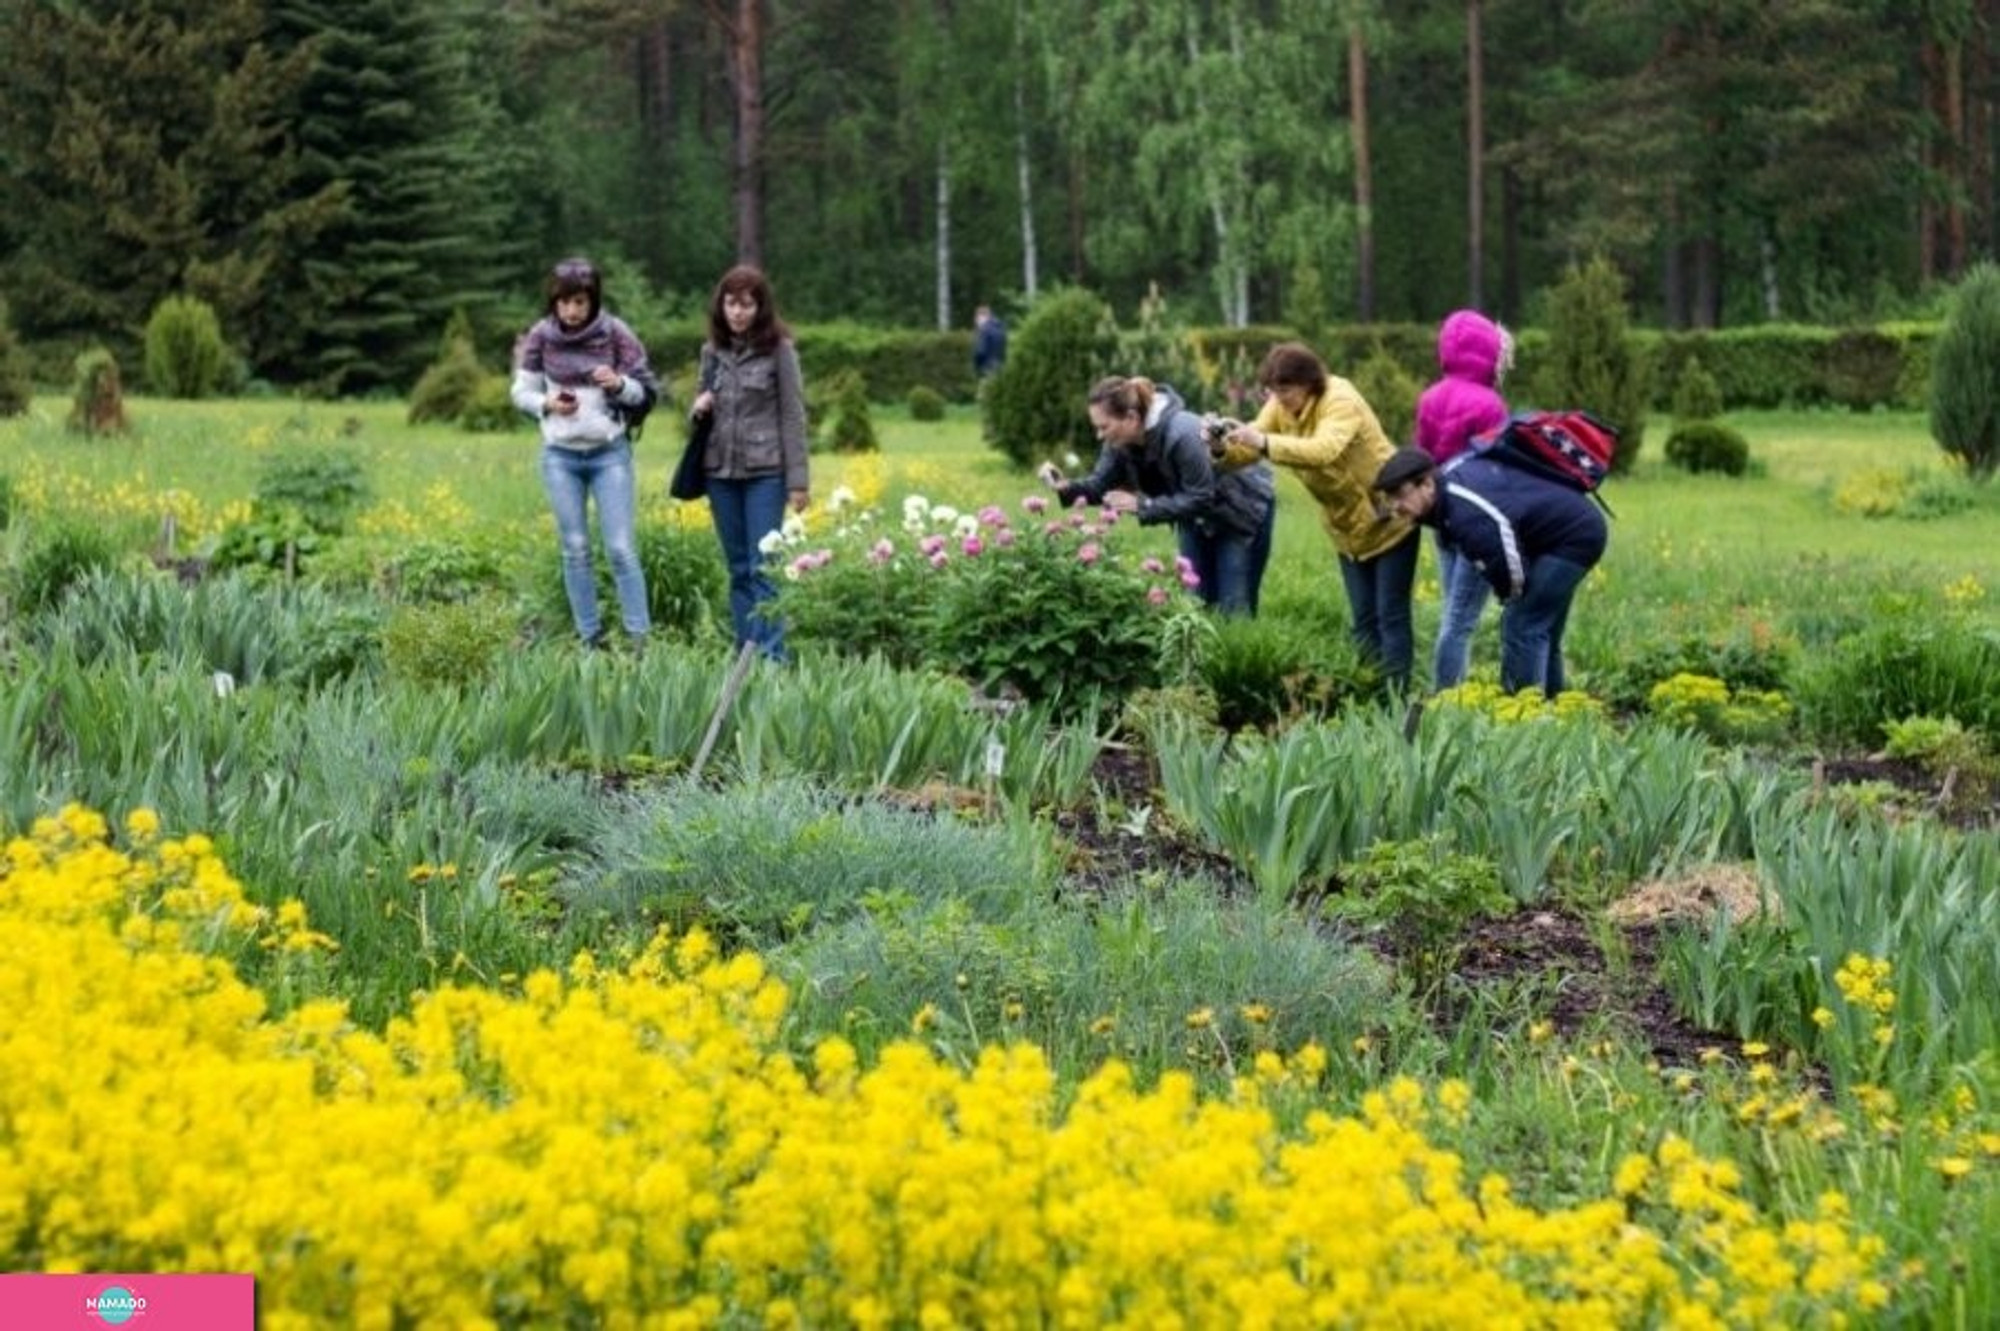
x=337 y=177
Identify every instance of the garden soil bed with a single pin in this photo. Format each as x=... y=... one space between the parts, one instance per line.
x=1546 y=947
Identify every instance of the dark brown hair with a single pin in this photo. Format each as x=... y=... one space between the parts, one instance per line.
x=1293 y=365
x=767 y=329
x=1122 y=396
x=575 y=277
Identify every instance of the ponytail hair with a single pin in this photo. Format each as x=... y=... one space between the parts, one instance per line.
x=1123 y=396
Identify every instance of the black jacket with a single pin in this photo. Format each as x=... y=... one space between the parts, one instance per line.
x=1176 y=478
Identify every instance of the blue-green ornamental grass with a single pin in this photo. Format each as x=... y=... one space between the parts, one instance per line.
x=920 y=858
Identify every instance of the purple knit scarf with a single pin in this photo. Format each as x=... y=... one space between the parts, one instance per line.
x=567 y=357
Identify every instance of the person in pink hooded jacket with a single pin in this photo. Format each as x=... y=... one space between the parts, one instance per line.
x=1462 y=403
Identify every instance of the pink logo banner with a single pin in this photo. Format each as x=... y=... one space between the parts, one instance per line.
x=141 y=1302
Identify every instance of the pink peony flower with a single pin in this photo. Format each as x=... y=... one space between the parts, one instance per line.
x=1182 y=564
x=972 y=545
x=939 y=559
x=1156 y=594
x=882 y=552
x=931 y=544
x=1151 y=564
x=1190 y=579
x=1035 y=503
x=992 y=516
x=1088 y=552
x=1004 y=537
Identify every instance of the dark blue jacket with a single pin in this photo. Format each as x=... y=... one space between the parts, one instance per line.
x=1503 y=518
x=989 y=346
x=1178 y=480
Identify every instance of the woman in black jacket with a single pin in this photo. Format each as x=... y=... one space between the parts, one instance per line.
x=1155 y=466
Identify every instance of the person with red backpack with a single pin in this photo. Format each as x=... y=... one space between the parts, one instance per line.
x=1533 y=538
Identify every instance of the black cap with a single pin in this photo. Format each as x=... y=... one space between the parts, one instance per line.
x=1404 y=465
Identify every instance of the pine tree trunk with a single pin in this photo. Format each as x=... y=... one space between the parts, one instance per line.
x=746 y=63
x=1364 y=174
x=1475 y=157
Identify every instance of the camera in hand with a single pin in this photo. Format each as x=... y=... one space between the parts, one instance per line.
x=1217 y=429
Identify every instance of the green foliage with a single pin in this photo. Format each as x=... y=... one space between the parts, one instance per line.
x=1159 y=349
x=1591 y=359
x=1750 y=657
x=442 y=568
x=1706 y=704
x=186 y=356
x=1697 y=397
x=325 y=488
x=1034 y=405
x=686 y=584
x=58 y=558
x=453 y=644
x=97 y=397
x=1425 y=898
x=926 y=403
x=302 y=500
x=1051 y=616
x=17 y=386
x=490 y=409
x=448 y=386
x=1391 y=391
x=10 y=501
x=861 y=605
x=849 y=427
x=1265 y=671
x=1965 y=375
x=764 y=863
x=296 y=635
x=1940 y=743
x=1901 y=666
x=1705 y=445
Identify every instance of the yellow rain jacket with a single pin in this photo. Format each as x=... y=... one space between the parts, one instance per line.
x=1335 y=446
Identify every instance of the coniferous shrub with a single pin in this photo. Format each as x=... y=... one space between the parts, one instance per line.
x=448 y=385
x=1965 y=375
x=926 y=404
x=97 y=399
x=1160 y=350
x=1697 y=397
x=1034 y=404
x=1702 y=445
x=17 y=386
x=185 y=354
x=849 y=427
x=1391 y=391
x=1591 y=359
x=491 y=409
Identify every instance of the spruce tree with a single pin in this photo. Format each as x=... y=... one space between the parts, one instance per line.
x=145 y=148
x=1593 y=362
x=1965 y=375
x=391 y=116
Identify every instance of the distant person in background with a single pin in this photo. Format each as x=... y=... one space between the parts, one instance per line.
x=1532 y=539
x=1325 y=431
x=1155 y=466
x=756 y=458
x=577 y=370
x=1464 y=402
x=989 y=341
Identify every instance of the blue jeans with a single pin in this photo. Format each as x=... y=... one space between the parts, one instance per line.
x=1532 y=624
x=745 y=512
x=1463 y=592
x=574 y=478
x=1378 y=593
x=1230 y=566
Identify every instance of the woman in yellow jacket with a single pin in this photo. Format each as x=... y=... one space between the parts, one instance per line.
x=1321 y=428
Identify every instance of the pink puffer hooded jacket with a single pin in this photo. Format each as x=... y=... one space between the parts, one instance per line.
x=1473 y=351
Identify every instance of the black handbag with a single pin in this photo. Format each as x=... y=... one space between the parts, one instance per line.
x=691 y=476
